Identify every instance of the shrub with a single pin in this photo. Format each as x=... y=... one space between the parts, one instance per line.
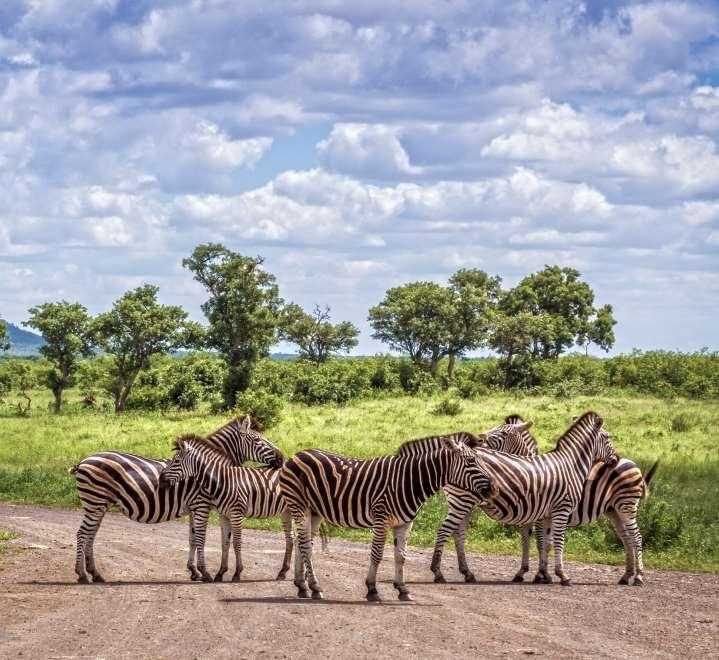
x=447 y=406
x=264 y=406
x=661 y=526
x=682 y=423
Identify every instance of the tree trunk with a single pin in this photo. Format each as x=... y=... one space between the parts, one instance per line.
x=433 y=364
x=450 y=365
x=58 y=400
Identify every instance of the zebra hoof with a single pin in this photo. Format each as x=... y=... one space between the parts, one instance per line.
x=317 y=595
x=638 y=582
x=404 y=596
x=206 y=577
x=83 y=579
x=280 y=576
x=566 y=582
x=542 y=578
x=439 y=579
x=219 y=577
x=623 y=580
x=235 y=578
x=303 y=593
x=194 y=578
x=520 y=578
x=469 y=578
x=373 y=596
x=98 y=578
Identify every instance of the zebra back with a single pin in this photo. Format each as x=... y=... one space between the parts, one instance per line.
x=240 y=440
x=436 y=442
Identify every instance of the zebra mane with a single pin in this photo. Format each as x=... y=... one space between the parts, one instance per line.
x=255 y=424
x=202 y=442
x=433 y=442
x=578 y=422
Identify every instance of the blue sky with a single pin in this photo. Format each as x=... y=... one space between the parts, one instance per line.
x=360 y=146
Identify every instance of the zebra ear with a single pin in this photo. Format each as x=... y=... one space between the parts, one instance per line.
x=476 y=440
x=452 y=445
x=524 y=426
x=598 y=422
x=246 y=424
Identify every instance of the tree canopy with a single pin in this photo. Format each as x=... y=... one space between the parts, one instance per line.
x=136 y=328
x=243 y=310
x=314 y=334
x=4 y=336
x=66 y=329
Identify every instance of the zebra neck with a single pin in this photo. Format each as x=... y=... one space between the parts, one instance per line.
x=579 y=455
x=210 y=474
x=423 y=476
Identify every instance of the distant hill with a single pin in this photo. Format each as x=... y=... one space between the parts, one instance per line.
x=24 y=343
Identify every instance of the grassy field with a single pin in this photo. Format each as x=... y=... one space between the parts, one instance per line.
x=680 y=520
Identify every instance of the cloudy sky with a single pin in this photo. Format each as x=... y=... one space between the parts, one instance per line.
x=358 y=146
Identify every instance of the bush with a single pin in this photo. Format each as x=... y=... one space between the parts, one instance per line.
x=264 y=406
x=447 y=406
x=682 y=423
x=660 y=525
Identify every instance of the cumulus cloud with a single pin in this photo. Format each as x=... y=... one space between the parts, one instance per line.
x=358 y=146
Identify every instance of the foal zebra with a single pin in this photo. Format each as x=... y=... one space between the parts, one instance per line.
x=132 y=484
x=236 y=492
x=615 y=492
x=378 y=493
x=544 y=488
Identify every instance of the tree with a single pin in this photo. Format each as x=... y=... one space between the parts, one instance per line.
x=4 y=336
x=600 y=330
x=475 y=297
x=243 y=310
x=413 y=319
x=136 y=328
x=316 y=337
x=65 y=327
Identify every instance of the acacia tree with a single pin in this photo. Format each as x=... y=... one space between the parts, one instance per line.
x=4 y=336
x=243 y=310
x=135 y=329
x=316 y=336
x=475 y=297
x=413 y=319
x=65 y=327
x=600 y=330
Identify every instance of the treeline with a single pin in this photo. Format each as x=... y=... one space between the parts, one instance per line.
x=531 y=324
x=196 y=379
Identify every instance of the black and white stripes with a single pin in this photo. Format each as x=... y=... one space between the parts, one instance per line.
x=378 y=493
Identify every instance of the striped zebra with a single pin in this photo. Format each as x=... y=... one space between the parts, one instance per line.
x=131 y=483
x=378 y=493
x=236 y=492
x=545 y=488
x=615 y=492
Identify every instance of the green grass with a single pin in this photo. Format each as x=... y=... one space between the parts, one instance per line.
x=680 y=520
x=6 y=536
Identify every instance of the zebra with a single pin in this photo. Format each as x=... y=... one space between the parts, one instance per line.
x=615 y=492
x=132 y=484
x=378 y=493
x=544 y=488
x=236 y=492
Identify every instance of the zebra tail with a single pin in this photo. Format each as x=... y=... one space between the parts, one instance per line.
x=648 y=477
x=324 y=537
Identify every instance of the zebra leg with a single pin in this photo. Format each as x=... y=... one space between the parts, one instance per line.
x=237 y=520
x=634 y=537
x=401 y=533
x=459 y=537
x=526 y=531
x=198 y=536
x=543 y=575
x=456 y=513
x=379 y=537
x=287 y=527
x=628 y=544
x=303 y=556
x=559 y=528
x=84 y=557
x=194 y=573
x=226 y=536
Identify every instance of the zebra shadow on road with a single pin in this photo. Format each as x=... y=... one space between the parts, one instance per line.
x=293 y=600
x=139 y=583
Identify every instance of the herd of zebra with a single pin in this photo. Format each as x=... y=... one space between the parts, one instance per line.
x=499 y=471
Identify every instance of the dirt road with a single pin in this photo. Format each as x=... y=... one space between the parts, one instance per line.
x=149 y=608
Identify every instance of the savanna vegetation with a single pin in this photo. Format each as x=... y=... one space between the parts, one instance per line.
x=117 y=381
x=680 y=520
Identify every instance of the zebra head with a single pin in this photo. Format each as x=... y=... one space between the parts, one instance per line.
x=468 y=471
x=512 y=438
x=181 y=466
x=242 y=440
x=604 y=451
